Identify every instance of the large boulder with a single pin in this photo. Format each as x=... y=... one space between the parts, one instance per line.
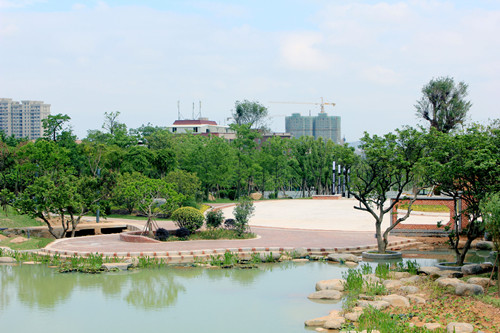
x=2 y=237
x=474 y=269
x=326 y=294
x=18 y=240
x=459 y=328
x=300 y=252
x=468 y=289
x=334 y=323
x=256 y=196
x=7 y=260
x=409 y=289
x=411 y=279
x=322 y=320
x=416 y=299
x=400 y=275
x=483 y=282
x=333 y=284
x=354 y=315
x=343 y=257
x=379 y=305
x=117 y=266
x=447 y=282
x=392 y=284
x=484 y=245
x=397 y=301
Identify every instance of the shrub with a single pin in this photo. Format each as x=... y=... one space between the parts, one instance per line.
x=230 y=224
x=190 y=202
x=189 y=218
x=182 y=233
x=161 y=234
x=242 y=213
x=215 y=218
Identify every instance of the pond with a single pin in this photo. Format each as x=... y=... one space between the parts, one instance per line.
x=272 y=298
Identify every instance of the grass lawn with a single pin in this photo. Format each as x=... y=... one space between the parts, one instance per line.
x=214 y=234
x=31 y=244
x=13 y=220
x=425 y=208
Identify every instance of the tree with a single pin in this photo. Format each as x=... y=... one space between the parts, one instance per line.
x=389 y=163
x=249 y=113
x=490 y=207
x=185 y=183
x=245 y=144
x=443 y=104
x=54 y=125
x=242 y=213
x=464 y=166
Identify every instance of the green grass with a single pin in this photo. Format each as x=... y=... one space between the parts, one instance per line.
x=425 y=208
x=222 y=200
x=128 y=217
x=14 y=220
x=31 y=244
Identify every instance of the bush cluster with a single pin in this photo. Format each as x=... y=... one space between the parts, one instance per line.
x=189 y=218
x=214 y=218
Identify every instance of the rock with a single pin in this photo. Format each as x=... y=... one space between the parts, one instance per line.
x=445 y=282
x=397 y=300
x=400 y=275
x=428 y=270
x=483 y=282
x=300 y=252
x=322 y=320
x=473 y=269
x=409 y=289
x=351 y=264
x=411 y=279
x=432 y=326
x=7 y=260
x=326 y=294
x=379 y=305
x=333 y=284
x=121 y=266
x=256 y=196
x=285 y=258
x=484 y=245
x=18 y=240
x=320 y=329
x=416 y=299
x=459 y=328
x=211 y=197
x=31 y=263
x=334 y=323
x=486 y=267
x=371 y=278
x=300 y=260
x=2 y=237
x=354 y=315
x=392 y=284
x=316 y=257
x=468 y=289
x=343 y=257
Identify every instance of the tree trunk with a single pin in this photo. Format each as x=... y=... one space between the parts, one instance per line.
x=381 y=242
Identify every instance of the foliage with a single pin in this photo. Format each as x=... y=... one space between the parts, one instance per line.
x=53 y=125
x=214 y=218
x=382 y=271
x=410 y=266
x=184 y=182
x=490 y=207
x=161 y=234
x=249 y=113
x=220 y=234
x=389 y=163
x=464 y=166
x=443 y=104
x=189 y=218
x=182 y=233
x=230 y=224
x=242 y=213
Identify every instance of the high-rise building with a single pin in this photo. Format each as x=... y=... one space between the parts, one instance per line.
x=320 y=126
x=23 y=119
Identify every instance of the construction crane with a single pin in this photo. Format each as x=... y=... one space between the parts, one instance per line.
x=322 y=104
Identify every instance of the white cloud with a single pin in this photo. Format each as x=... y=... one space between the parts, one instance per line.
x=380 y=74
x=300 y=51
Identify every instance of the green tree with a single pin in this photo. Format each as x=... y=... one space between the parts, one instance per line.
x=464 y=166
x=54 y=125
x=185 y=183
x=242 y=212
x=389 y=163
x=490 y=208
x=443 y=104
x=249 y=113
x=245 y=143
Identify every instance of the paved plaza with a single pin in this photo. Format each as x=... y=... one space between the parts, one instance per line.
x=320 y=224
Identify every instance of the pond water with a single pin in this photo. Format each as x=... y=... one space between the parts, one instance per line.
x=272 y=298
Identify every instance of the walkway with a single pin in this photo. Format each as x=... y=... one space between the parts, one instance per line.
x=319 y=226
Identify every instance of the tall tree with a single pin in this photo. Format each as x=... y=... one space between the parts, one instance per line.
x=54 y=125
x=464 y=167
x=443 y=104
x=389 y=163
x=249 y=113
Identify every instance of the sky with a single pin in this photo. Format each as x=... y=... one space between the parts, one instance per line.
x=146 y=58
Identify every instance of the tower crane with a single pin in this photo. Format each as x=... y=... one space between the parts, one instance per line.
x=322 y=104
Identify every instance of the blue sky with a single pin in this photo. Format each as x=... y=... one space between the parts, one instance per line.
x=371 y=58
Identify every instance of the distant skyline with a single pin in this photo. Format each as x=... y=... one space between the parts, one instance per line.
x=371 y=58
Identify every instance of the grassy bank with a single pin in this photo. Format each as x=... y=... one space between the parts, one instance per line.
x=31 y=244
x=12 y=219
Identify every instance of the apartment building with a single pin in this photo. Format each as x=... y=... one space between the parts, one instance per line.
x=23 y=119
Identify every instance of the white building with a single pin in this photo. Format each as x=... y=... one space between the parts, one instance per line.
x=23 y=119
x=201 y=126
